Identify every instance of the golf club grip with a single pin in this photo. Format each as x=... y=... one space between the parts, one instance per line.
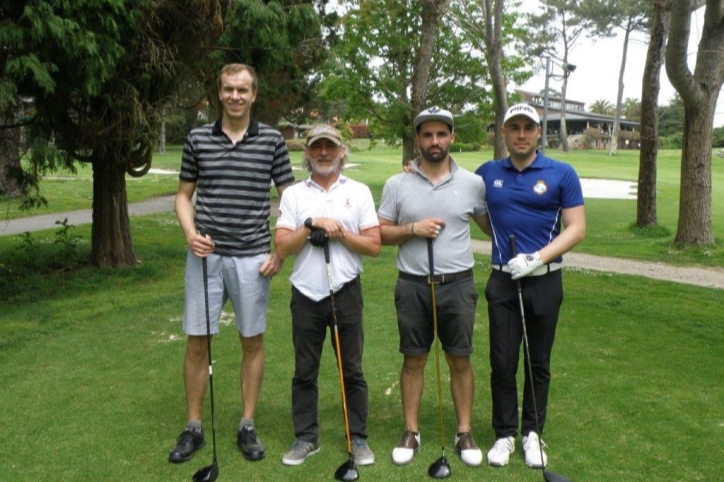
x=513 y=250
x=326 y=250
x=429 y=257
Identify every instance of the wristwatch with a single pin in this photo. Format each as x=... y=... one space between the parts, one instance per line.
x=308 y=224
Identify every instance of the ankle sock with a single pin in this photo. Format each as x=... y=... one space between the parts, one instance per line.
x=194 y=425
x=246 y=421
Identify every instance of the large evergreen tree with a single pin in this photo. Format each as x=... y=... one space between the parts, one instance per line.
x=99 y=72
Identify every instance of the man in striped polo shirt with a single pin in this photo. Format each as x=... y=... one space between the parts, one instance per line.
x=229 y=165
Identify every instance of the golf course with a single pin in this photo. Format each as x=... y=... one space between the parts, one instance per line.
x=91 y=359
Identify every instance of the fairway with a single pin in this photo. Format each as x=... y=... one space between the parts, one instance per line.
x=92 y=387
x=91 y=359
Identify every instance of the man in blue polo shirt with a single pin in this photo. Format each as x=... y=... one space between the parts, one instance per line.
x=528 y=195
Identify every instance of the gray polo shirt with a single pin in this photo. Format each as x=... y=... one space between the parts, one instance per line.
x=408 y=198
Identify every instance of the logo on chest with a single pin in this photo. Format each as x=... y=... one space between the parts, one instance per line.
x=540 y=187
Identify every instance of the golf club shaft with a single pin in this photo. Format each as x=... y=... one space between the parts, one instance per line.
x=529 y=365
x=338 y=346
x=433 y=298
x=208 y=350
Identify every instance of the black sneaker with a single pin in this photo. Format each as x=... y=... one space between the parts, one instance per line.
x=187 y=444
x=249 y=443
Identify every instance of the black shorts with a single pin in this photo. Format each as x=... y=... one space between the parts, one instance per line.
x=456 y=304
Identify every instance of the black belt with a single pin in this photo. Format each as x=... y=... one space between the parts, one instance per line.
x=541 y=270
x=439 y=279
x=347 y=285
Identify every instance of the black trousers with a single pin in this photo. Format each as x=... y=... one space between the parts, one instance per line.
x=542 y=299
x=310 y=322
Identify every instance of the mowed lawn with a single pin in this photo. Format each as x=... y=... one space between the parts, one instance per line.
x=91 y=360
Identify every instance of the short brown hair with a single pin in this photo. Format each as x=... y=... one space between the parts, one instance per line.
x=231 y=69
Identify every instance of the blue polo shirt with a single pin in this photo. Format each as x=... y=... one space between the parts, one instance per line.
x=528 y=203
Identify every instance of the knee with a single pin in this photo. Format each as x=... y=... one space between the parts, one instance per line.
x=196 y=348
x=414 y=363
x=253 y=345
x=458 y=364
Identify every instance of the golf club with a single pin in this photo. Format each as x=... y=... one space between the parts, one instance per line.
x=548 y=476
x=211 y=472
x=348 y=470
x=439 y=469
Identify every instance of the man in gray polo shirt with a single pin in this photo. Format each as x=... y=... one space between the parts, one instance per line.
x=435 y=201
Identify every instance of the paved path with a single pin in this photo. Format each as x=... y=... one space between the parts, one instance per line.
x=83 y=216
x=707 y=277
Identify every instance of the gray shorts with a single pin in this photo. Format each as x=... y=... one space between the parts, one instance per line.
x=229 y=277
x=455 y=320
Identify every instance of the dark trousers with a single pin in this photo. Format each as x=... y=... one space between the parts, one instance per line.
x=542 y=298
x=310 y=322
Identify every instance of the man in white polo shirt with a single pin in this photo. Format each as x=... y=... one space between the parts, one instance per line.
x=332 y=205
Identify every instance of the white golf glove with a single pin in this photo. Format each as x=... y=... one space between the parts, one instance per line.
x=524 y=264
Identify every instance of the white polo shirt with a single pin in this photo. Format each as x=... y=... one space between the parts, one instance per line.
x=349 y=202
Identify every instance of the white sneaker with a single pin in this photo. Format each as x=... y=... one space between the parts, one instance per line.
x=406 y=449
x=533 y=448
x=499 y=454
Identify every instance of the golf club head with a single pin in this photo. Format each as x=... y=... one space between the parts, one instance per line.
x=347 y=471
x=207 y=474
x=439 y=469
x=553 y=477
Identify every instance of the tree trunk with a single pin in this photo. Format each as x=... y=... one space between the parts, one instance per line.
x=699 y=92
x=694 y=226
x=408 y=148
x=494 y=56
x=432 y=11
x=162 y=132
x=10 y=167
x=112 y=245
x=646 y=198
x=619 y=99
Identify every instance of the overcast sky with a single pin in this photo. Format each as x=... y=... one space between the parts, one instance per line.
x=598 y=64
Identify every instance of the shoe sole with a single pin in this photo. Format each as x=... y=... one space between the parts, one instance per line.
x=294 y=462
x=181 y=460
x=369 y=461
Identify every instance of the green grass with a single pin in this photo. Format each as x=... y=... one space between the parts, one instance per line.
x=90 y=360
x=90 y=370
x=611 y=230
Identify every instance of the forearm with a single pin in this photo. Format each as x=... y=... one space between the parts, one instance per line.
x=185 y=214
x=563 y=243
x=366 y=243
x=393 y=234
x=289 y=243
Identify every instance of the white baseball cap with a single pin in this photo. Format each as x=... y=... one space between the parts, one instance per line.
x=524 y=110
x=434 y=114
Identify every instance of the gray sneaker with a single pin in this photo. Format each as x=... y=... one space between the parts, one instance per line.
x=363 y=455
x=300 y=450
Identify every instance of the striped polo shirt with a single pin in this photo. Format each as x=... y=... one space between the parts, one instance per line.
x=233 y=183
